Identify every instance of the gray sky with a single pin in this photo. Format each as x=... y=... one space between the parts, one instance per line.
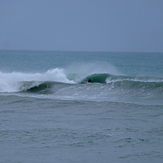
x=88 y=25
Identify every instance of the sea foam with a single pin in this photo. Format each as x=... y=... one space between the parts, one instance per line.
x=12 y=82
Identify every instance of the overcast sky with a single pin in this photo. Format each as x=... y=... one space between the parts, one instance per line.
x=87 y=25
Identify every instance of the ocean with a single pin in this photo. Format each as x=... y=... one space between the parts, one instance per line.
x=75 y=107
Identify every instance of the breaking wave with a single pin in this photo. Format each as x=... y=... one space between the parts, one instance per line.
x=97 y=85
x=17 y=81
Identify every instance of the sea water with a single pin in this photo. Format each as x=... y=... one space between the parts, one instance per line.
x=61 y=107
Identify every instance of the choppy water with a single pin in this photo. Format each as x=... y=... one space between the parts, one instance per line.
x=81 y=107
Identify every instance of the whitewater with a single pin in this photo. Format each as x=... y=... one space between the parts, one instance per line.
x=81 y=106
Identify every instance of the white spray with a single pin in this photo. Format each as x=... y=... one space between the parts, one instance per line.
x=12 y=82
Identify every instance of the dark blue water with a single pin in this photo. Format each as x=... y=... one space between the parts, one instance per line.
x=47 y=114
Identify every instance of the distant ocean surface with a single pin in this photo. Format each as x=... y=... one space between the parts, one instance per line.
x=76 y=107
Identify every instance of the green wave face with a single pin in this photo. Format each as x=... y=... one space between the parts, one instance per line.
x=95 y=78
x=44 y=87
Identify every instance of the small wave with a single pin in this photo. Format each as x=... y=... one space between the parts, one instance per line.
x=144 y=85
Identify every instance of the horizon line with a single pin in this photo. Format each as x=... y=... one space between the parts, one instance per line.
x=104 y=51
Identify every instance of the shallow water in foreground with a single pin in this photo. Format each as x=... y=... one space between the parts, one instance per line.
x=45 y=130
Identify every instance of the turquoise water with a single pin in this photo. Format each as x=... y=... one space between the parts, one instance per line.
x=81 y=107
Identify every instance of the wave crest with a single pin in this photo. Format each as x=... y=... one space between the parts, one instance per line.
x=14 y=81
